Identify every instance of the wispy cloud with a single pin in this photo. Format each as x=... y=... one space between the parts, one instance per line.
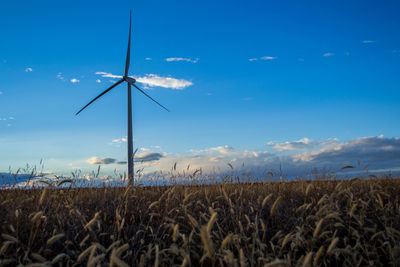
x=119 y=140
x=268 y=58
x=74 y=80
x=170 y=59
x=148 y=58
x=9 y=118
x=329 y=54
x=368 y=41
x=28 y=70
x=263 y=58
x=60 y=76
x=108 y=75
x=153 y=80
x=1 y=92
x=98 y=81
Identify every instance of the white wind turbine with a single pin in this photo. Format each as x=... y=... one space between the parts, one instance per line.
x=130 y=82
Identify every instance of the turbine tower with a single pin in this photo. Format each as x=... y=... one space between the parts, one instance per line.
x=130 y=82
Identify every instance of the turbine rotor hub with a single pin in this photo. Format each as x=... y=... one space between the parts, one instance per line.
x=129 y=79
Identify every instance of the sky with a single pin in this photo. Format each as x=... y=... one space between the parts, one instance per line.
x=265 y=84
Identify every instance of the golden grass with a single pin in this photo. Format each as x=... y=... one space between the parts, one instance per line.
x=300 y=223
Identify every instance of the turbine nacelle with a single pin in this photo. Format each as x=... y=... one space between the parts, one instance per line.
x=129 y=79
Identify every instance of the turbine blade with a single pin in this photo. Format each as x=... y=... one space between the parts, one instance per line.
x=100 y=95
x=128 y=53
x=150 y=97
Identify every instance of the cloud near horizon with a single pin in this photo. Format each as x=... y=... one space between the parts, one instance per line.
x=302 y=144
x=153 y=80
x=378 y=152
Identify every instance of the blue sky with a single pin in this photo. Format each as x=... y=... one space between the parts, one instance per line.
x=239 y=77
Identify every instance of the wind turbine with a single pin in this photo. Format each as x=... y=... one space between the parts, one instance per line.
x=130 y=82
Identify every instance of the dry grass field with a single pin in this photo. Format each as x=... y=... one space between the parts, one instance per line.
x=300 y=223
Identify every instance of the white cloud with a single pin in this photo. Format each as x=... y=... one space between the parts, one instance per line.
x=153 y=80
x=170 y=59
x=98 y=81
x=28 y=70
x=74 y=80
x=148 y=58
x=368 y=41
x=329 y=54
x=253 y=59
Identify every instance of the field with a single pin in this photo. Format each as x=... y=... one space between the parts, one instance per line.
x=301 y=223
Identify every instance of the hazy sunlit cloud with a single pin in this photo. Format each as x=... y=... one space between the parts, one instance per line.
x=170 y=59
x=9 y=125
x=28 y=70
x=302 y=144
x=98 y=81
x=329 y=54
x=153 y=80
x=368 y=41
x=74 y=80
